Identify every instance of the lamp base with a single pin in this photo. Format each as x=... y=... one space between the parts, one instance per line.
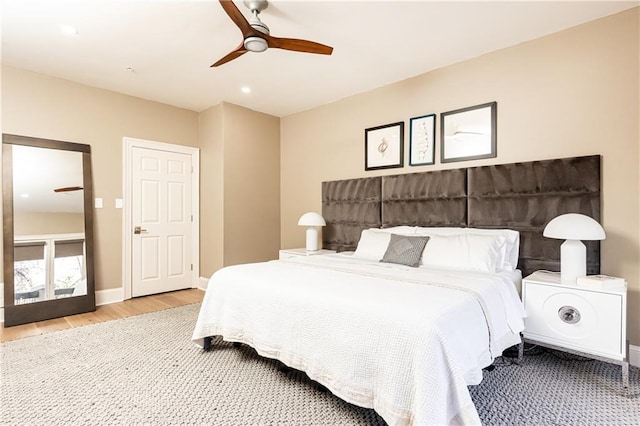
x=312 y=239
x=573 y=261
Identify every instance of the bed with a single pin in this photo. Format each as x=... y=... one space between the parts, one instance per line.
x=385 y=328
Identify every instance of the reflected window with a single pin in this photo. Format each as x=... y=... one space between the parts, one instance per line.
x=49 y=268
x=30 y=271
x=68 y=269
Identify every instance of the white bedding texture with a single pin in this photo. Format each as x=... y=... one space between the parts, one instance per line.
x=404 y=341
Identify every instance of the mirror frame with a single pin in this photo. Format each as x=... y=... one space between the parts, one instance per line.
x=46 y=309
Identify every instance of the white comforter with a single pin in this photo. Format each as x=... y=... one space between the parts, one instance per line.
x=404 y=341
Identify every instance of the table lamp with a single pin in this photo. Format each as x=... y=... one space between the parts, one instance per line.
x=312 y=221
x=573 y=227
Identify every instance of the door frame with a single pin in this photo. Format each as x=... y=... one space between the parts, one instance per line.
x=127 y=226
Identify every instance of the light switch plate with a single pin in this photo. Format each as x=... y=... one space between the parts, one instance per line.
x=118 y=203
x=98 y=203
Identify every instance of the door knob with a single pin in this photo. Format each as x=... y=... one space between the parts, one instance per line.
x=138 y=230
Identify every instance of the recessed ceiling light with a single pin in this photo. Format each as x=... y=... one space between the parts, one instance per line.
x=24 y=195
x=68 y=30
x=245 y=89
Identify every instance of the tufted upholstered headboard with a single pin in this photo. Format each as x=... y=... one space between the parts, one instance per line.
x=520 y=196
x=425 y=199
x=348 y=207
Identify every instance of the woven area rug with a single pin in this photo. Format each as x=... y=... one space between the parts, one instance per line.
x=145 y=370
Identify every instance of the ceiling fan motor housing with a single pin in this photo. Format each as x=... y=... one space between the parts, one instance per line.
x=256 y=43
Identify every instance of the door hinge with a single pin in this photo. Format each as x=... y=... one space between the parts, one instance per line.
x=191 y=218
x=192 y=266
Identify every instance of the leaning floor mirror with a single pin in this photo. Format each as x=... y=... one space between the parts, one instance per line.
x=48 y=229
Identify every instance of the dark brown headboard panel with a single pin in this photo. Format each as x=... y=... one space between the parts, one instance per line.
x=348 y=207
x=526 y=196
x=436 y=198
x=520 y=196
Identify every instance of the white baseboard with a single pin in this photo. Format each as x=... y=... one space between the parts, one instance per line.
x=204 y=282
x=634 y=355
x=112 y=295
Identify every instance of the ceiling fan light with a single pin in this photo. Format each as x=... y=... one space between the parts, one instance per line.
x=255 y=44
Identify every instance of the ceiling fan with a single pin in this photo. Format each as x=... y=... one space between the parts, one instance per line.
x=256 y=37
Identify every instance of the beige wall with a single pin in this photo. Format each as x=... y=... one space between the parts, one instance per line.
x=240 y=185
x=568 y=94
x=211 y=138
x=43 y=223
x=48 y=107
x=251 y=185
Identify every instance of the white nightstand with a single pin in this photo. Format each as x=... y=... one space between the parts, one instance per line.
x=297 y=252
x=590 y=322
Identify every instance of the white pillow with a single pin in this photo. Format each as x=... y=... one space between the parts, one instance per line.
x=469 y=252
x=509 y=250
x=372 y=245
x=400 y=230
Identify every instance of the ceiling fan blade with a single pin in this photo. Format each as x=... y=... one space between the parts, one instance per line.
x=237 y=17
x=239 y=51
x=298 y=45
x=68 y=189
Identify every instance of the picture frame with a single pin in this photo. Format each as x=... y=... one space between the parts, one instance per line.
x=468 y=133
x=422 y=134
x=384 y=146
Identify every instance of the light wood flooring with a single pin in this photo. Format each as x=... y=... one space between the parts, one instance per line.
x=137 y=306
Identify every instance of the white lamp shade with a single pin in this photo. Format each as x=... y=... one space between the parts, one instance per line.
x=574 y=226
x=311 y=219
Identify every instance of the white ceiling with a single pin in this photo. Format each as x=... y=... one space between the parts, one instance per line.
x=171 y=43
x=37 y=172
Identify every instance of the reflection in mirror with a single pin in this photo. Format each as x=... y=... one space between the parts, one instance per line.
x=48 y=229
x=48 y=209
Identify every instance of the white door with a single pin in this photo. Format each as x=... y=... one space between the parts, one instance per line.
x=161 y=220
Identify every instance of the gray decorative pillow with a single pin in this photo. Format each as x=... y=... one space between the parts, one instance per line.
x=405 y=250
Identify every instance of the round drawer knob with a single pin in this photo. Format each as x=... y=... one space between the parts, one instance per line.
x=569 y=314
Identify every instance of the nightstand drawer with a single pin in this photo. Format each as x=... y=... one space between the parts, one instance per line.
x=587 y=321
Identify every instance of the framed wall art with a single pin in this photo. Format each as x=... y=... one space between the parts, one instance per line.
x=422 y=133
x=383 y=146
x=468 y=133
